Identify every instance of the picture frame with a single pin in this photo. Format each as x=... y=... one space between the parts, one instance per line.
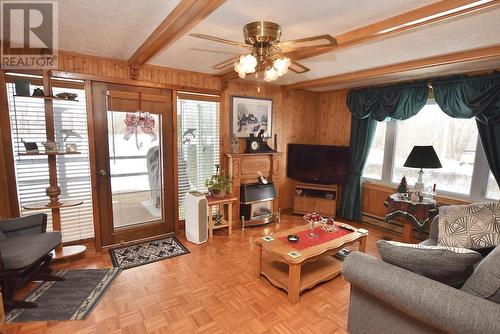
x=251 y=114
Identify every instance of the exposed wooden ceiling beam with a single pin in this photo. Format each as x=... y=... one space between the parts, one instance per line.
x=452 y=58
x=406 y=22
x=182 y=19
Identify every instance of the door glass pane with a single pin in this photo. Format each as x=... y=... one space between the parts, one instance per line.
x=375 y=161
x=493 y=190
x=454 y=141
x=135 y=167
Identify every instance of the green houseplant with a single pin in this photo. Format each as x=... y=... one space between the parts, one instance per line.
x=218 y=185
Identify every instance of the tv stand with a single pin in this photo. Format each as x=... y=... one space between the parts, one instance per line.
x=313 y=197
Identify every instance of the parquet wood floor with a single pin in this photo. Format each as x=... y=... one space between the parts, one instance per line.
x=210 y=290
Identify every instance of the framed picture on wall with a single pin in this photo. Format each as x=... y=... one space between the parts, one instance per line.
x=250 y=115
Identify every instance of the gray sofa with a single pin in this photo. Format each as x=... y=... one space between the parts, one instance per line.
x=25 y=256
x=388 y=299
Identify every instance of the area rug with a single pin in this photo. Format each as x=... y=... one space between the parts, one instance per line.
x=72 y=299
x=146 y=252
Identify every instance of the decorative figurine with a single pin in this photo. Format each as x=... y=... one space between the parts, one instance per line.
x=50 y=146
x=31 y=147
x=71 y=147
x=67 y=133
x=38 y=92
x=218 y=218
x=403 y=187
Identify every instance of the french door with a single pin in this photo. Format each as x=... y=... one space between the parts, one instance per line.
x=134 y=162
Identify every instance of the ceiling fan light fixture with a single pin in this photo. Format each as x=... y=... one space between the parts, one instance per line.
x=271 y=74
x=239 y=69
x=281 y=65
x=264 y=49
x=248 y=63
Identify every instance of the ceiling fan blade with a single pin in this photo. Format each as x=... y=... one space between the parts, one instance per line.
x=298 y=67
x=308 y=42
x=215 y=51
x=225 y=63
x=220 y=40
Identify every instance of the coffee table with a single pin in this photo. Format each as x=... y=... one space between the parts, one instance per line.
x=314 y=265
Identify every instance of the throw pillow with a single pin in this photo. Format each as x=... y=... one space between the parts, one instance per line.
x=485 y=280
x=449 y=265
x=471 y=226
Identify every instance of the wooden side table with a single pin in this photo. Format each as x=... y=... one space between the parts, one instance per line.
x=221 y=204
x=411 y=214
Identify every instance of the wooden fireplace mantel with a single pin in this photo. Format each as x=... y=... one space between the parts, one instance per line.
x=243 y=168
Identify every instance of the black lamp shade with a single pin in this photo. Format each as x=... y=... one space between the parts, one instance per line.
x=423 y=157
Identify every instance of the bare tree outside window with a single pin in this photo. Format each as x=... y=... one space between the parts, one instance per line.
x=454 y=141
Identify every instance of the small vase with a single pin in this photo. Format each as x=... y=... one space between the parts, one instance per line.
x=22 y=87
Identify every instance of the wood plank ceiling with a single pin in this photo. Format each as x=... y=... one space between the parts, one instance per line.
x=376 y=39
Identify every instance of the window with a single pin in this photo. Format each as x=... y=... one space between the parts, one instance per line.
x=454 y=141
x=198 y=145
x=492 y=190
x=375 y=161
x=465 y=170
x=27 y=117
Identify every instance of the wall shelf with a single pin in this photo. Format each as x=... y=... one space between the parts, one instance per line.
x=46 y=98
x=64 y=203
x=53 y=191
x=48 y=153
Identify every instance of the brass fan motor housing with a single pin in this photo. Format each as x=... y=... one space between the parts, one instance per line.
x=262 y=32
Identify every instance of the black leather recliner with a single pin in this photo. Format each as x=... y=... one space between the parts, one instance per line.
x=25 y=255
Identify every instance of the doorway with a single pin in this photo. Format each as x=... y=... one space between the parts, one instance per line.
x=134 y=162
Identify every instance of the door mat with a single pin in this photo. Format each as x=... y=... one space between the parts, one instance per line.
x=146 y=252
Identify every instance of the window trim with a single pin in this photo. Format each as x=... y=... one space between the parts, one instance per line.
x=480 y=174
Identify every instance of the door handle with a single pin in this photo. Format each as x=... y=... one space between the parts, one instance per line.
x=103 y=172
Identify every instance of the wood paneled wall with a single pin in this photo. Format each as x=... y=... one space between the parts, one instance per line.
x=294 y=121
x=113 y=68
x=334 y=119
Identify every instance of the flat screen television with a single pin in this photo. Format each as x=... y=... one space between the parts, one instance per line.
x=318 y=163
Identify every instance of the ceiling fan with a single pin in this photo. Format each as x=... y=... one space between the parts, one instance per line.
x=266 y=52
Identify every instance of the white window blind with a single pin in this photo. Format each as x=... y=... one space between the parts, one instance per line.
x=27 y=117
x=198 y=145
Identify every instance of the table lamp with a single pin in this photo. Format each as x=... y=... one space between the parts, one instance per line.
x=422 y=157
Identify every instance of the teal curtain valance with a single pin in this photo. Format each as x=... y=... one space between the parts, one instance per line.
x=399 y=101
x=467 y=97
x=458 y=97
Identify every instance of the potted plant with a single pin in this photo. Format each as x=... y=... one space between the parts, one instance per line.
x=219 y=185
